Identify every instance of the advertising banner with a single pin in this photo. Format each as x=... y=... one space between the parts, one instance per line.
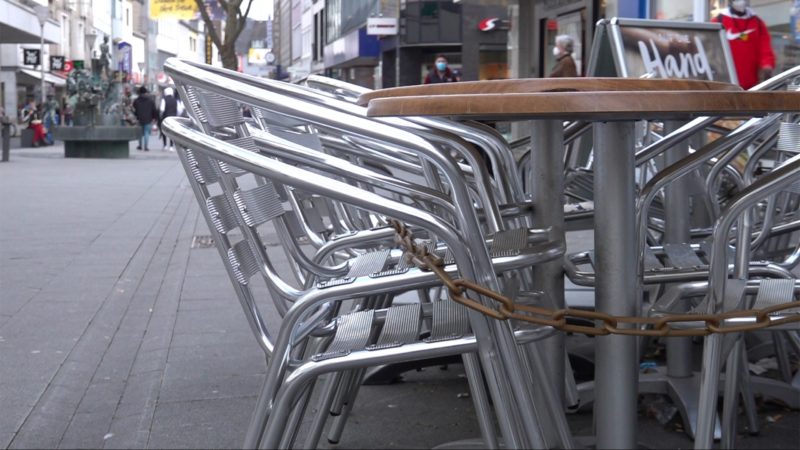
x=125 y=55
x=662 y=49
x=213 y=9
x=173 y=9
x=209 y=49
x=794 y=25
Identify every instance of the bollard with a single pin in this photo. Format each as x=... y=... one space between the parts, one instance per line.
x=6 y=135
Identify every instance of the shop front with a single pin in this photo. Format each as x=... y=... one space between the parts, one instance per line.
x=472 y=36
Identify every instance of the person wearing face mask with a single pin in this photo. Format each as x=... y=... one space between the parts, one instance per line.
x=440 y=72
x=565 y=65
x=750 y=42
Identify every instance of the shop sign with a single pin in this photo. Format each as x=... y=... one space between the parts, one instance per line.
x=794 y=26
x=494 y=23
x=663 y=49
x=31 y=56
x=68 y=66
x=58 y=63
x=173 y=9
x=209 y=50
x=382 y=26
x=257 y=56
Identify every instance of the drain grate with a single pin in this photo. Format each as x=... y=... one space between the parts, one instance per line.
x=202 y=241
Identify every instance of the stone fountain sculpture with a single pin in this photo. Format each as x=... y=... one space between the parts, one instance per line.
x=99 y=129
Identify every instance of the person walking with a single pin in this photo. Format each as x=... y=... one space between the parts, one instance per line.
x=168 y=107
x=750 y=41
x=146 y=113
x=565 y=65
x=440 y=72
x=32 y=115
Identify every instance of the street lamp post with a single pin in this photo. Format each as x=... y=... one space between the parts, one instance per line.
x=42 y=13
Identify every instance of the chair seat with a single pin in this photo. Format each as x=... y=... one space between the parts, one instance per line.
x=669 y=263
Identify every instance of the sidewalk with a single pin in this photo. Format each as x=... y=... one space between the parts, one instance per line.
x=116 y=332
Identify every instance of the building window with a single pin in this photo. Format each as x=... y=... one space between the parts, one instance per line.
x=192 y=44
x=65 y=35
x=127 y=17
x=80 y=39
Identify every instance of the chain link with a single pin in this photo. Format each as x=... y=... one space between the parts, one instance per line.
x=605 y=324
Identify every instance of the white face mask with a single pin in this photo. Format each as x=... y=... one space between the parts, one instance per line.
x=739 y=5
x=556 y=51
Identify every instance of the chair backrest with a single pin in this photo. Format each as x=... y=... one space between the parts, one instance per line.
x=329 y=121
x=455 y=138
x=217 y=154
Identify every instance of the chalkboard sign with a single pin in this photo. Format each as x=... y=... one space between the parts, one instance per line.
x=638 y=48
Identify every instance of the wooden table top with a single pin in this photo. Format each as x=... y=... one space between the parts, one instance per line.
x=597 y=105
x=531 y=85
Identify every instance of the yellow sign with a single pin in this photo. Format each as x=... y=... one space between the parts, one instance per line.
x=173 y=9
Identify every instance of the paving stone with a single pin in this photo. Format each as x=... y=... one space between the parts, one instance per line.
x=86 y=430
x=210 y=422
x=188 y=386
x=40 y=432
x=5 y=439
x=242 y=336
x=129 y=432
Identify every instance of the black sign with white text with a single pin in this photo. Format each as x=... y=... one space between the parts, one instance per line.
x=31 y=56
x=57 y=63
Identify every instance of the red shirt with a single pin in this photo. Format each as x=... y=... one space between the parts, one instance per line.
x=751 y=45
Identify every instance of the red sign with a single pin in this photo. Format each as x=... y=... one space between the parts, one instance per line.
x=488 y=24
x=68 y=66
x=493 y=23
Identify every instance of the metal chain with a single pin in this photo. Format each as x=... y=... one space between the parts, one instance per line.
x=605 y=324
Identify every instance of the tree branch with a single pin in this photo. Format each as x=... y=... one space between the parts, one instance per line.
x=223 y=4
x=209 y=24
x=243 y=19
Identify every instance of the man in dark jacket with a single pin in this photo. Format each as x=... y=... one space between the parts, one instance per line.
x=146 y=113
x=440 y=72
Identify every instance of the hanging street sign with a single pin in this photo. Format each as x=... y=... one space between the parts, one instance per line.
x=57 y=63
x=31 y=56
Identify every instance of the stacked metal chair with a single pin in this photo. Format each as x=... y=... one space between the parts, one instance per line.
x=221 y=149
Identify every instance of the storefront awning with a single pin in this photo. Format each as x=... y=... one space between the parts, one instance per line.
x=48 y=77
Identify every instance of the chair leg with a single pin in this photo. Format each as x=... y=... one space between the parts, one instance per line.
x=782 y=355
x=730 y=403
x=258 y=418
x=747 y=394
x=707 y=397
x=326 y=399
x=480 y=399
x=349 y=398
x=553 y=417
x=295 y=419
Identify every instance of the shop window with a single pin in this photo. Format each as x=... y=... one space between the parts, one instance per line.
x=672 y=9
x=493 y=65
